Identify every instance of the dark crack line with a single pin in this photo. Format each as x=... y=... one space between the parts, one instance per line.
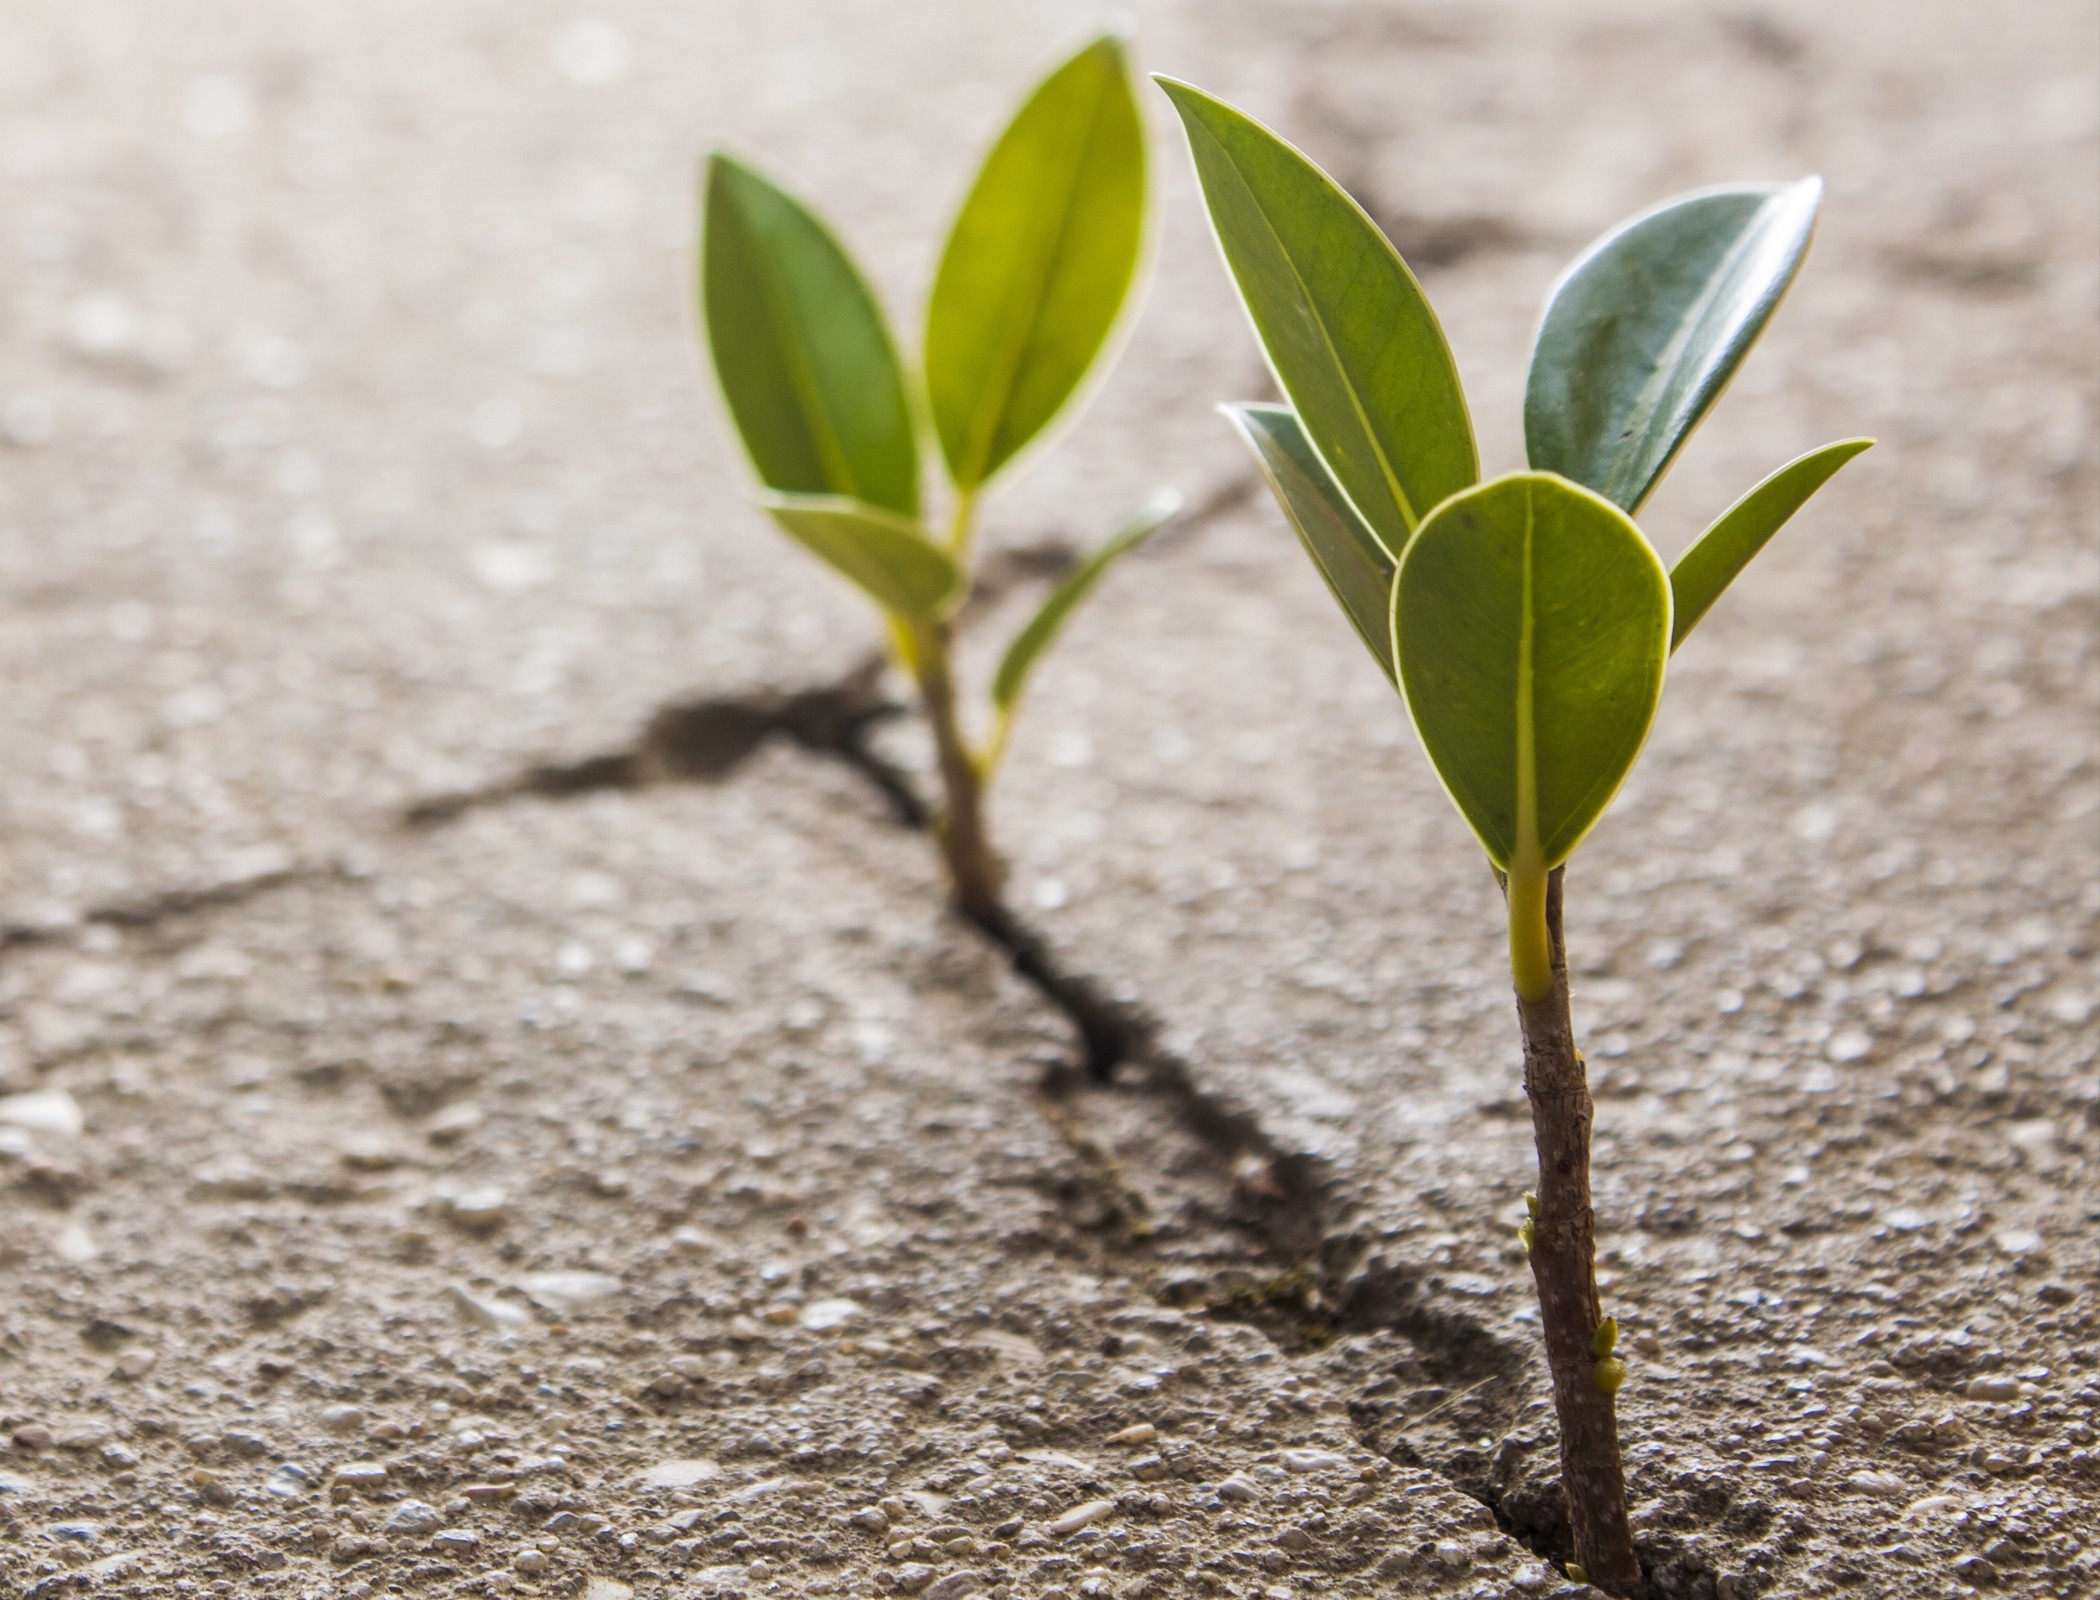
x=706 y=741
x=166 y=906
x=1326 y=1277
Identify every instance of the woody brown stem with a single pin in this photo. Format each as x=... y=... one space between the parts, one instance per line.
x=1564 y=1266
x=975 y=875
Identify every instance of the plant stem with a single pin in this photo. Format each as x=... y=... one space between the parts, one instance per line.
x=1564 y=1266
x=974 y=871
x=962 y=523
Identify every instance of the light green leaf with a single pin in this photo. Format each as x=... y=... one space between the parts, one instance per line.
x=1645 y=329
x=1038 y=264
x=800 y=348
x=1358 y=571
x=888 y=556
x=1705 y=570
x=1353 y=342
x=1533 y=624
x=1041 y=628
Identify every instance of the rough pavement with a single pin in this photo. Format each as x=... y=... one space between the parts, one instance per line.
x=353 y=453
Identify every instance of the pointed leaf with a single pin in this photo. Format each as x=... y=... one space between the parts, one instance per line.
x=1074 y=587
x=1645 y=329
x=1533 y=622
x=888 y=556
x=1705 y=570
x=1353 y=342
x=1038 y=264
x=1359 y=573
x=803 y=355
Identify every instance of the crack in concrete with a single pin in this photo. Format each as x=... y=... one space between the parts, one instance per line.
x=706 y=741
x=169 y=904
x=1328 y=1281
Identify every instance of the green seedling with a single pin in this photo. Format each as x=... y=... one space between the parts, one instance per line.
x=1526 y=622
x=1034 y=279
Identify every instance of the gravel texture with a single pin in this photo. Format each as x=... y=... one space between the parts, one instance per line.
x=613 y=1187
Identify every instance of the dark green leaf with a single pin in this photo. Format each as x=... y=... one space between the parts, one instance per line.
x=888 y=556
x=1353 y=342
x=1533 y=622
x=1358 y=571
x=1705 y=570
x=1041 y=628
x=1645 y=329
x=1039 y=262
x=804 y=358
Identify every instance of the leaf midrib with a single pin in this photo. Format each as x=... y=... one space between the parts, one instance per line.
x=802 y=377
x=1648 y=399
x=1528 y=854
x=1022 y=329
x=1401 y=500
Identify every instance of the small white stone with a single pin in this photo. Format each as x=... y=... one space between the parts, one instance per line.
x=821 y=1316
x=1313 y=1460
x=480 y=1209
x=679 y=1474
x=559 y=1290
x=486 y=1312
x=1081 y=1516
x=44 y=1111
x=1848 y=1045
x=1996 y=1388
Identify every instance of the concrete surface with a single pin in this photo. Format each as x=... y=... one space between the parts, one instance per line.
x=353 y=452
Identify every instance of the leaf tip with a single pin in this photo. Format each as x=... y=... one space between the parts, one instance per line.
x=1184 y=94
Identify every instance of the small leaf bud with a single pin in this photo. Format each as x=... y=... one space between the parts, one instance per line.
x=1611 y=1374
x=1605 y=1339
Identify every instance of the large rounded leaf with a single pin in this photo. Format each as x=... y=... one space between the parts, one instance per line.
x=1038 y=263
x=804 y=358
x=1347 y=329
x=1533 y=624
x=1359 y=573
x=1645 y=329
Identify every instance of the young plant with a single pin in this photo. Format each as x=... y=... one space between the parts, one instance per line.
x=1038 y=266
x=1526 y=621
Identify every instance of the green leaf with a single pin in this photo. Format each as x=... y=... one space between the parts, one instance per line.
x=888 y=556
x=1533 y=621
x=1706 y=570
x=1358 y=571
x=1645 y=329
x=803 y=355
x=1038 y=263
x=1353 y=342
x=1041 y=628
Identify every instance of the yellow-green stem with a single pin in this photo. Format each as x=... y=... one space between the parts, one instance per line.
x=1530 y=941
x=962 y=523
